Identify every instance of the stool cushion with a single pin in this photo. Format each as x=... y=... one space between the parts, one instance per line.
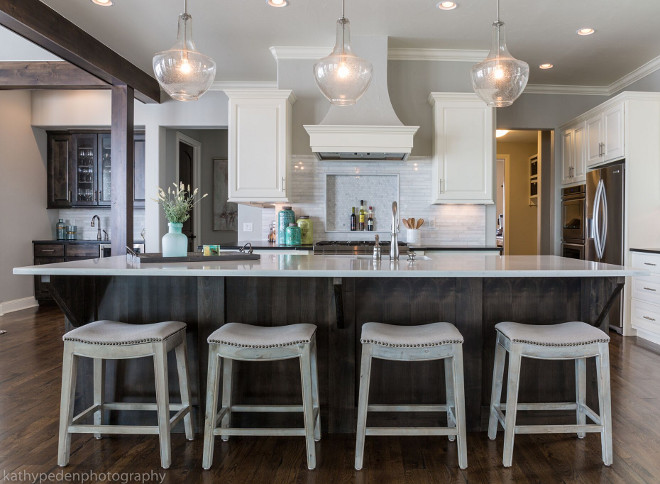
x=574 y=333
x=434 y=334
x=116 y=333
x=249 y=336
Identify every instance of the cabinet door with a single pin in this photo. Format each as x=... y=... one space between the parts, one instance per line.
x=259 y=147
x=59 y=183
x=594 y=139
x=84 y=169
x=567 y=156
x=579 y=154
x=463 y=150
x=138 y=173
x=104 y=170
x=613 y=120
x=41 y=289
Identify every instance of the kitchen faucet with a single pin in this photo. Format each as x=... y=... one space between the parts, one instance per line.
x=98 y=232
x=394 y=244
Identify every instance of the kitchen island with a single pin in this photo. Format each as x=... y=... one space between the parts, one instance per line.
x=339 y=294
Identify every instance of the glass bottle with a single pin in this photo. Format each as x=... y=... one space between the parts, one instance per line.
x=353 y=220
x=362 y=216
x=370 y=220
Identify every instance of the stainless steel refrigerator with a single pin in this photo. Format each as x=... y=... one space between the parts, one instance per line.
x=605 y=212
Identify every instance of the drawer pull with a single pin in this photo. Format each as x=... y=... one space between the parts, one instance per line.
x=47 y=250
x=649 y=318
x=649 y=264
x=649 y=289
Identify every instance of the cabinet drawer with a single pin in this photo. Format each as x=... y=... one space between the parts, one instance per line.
x=645 y=316
x=49 y=250
x=82 y=250
x=643 y=260
x=647 y=289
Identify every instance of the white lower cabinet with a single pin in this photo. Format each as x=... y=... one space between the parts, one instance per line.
x=463 y=149
x=645 y=301
x=259 y=142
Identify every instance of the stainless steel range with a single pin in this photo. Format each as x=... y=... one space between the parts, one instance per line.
x=353 y=247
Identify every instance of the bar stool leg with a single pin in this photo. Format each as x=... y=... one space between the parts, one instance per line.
x=496 y=394
x=308 y=405
x=580 y=392
x=511 y=404
x=315 y=391
x=162 y=403
x=69 y=374
x=99 y=391
x=604 y=402
x=459 y=399
x=363 y=402
x=449 y=392
x=181 y=352
x=212 y=384
x=227 y=371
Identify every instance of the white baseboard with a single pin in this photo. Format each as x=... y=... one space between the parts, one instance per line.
x=648 y=336
x=17 y=305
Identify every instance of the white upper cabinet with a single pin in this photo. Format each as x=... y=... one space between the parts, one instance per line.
x=259 y=144
x=579 y=153
x=463 y=149
x=567 y=152
x=605 y=135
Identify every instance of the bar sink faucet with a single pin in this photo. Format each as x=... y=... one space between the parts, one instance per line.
x=394 y=244
x=98 y=232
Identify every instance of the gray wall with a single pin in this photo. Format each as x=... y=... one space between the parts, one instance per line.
x=23 y=214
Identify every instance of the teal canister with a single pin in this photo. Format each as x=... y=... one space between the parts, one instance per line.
x=306 y=230
x=293 y=235
x=285 y=217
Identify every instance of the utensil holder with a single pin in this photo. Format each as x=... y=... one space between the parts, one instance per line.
x=413 y=236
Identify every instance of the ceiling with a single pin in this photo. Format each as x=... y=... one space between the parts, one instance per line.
x=238 y=33
x=519 y=136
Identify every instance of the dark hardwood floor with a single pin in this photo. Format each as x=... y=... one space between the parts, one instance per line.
x=30 y=365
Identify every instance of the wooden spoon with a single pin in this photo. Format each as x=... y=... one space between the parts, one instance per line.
x=420 y=222
x=405 y=222
x=411 y=221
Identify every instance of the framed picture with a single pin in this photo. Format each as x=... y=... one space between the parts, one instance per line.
x=225 y=214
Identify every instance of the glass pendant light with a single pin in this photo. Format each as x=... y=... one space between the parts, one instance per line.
x=342 y=76
x=500 y=78
x=182 y=71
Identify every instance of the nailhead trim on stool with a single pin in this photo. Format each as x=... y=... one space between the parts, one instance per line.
x=574 y=340
x=414 y=343
x=103 y=340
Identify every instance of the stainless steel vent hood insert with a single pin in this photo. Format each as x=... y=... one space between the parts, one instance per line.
x=370 y=129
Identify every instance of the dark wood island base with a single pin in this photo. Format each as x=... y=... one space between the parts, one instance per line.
x=339 y=307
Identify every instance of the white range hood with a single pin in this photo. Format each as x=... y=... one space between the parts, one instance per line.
x=370 y=129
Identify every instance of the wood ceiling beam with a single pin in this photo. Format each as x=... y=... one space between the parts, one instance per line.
x=43 y=26
x=46 y=75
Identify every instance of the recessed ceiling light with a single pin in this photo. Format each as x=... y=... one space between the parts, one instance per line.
x=546 y=66
x=501 y=132
x=278 y=3
x=103 y=3
x=447 y=5
x=585 y=31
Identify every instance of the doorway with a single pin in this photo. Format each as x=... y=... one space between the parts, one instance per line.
x=188 y=169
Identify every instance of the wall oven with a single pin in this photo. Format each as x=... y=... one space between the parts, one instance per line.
x=572 y=251
x=573 y=213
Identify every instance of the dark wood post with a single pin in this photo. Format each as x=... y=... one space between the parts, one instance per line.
x=121 y=212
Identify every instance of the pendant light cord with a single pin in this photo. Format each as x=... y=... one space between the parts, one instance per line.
x=498 y=10
x=185 y=6
x=342 y=9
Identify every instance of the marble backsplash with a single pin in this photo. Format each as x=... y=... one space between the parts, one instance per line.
x=444 y=224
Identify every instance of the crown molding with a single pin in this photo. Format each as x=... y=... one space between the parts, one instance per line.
x=649 y=68
x=299 y=52
x=567 y=89
x=438 y=55
x=225 y=85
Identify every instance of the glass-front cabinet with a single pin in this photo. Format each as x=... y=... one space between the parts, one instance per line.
x=84 y=159
x=104 y=167
x=80 y=169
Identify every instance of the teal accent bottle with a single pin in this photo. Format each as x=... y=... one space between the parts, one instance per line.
x=293 y=235
x=285 y=217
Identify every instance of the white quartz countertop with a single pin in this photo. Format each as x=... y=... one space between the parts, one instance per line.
x=277 y=265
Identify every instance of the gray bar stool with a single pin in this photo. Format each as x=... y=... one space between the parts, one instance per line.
x=235 y=341
x=567 y=341
x=414 y=343
x=103 y=340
